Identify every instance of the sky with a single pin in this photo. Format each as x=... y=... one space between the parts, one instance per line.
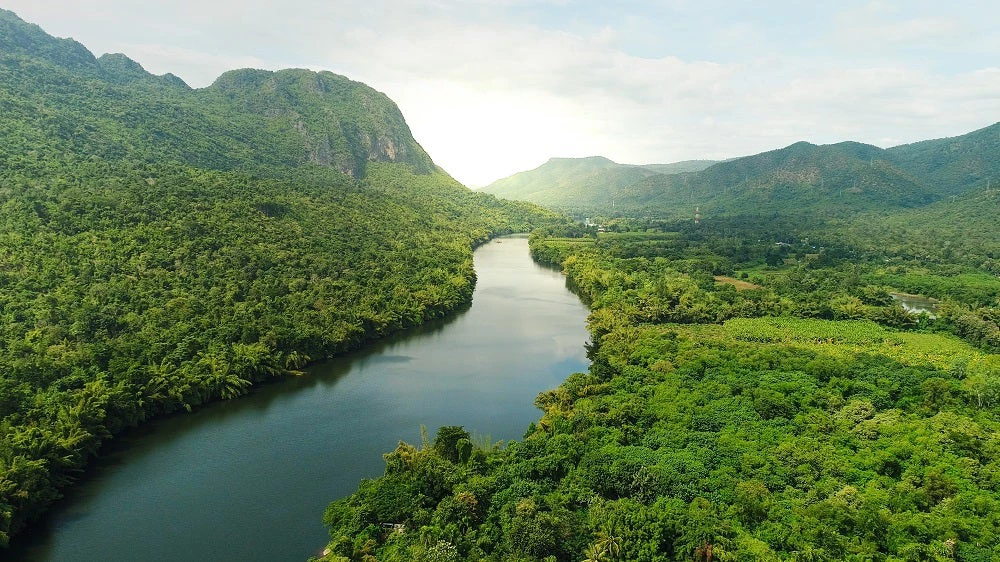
x=493 y=87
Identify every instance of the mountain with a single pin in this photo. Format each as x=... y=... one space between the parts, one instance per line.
x=163 y=246
x=803 y=177
x=326 y=119
x=251 y=120
x=20 y=38
x=960 y=229
x=956 y=164
x=582 y=182
x=119 y=68
x=836 y=179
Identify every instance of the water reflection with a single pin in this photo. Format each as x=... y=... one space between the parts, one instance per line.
x=917 y=304
x=249 y=479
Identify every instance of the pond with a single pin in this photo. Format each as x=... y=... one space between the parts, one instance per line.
x=917 y=303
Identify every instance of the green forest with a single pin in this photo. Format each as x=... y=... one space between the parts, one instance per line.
x=756 y=392
x=162 y=247
x=834 y=180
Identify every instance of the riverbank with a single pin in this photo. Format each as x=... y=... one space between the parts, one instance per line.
x=260 y=470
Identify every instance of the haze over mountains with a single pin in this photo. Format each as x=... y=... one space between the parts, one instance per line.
x=582 y=182
x=838 y=178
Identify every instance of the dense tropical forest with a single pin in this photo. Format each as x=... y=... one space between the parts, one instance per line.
x=161 y=247
x=757 y=392
x=757 y=389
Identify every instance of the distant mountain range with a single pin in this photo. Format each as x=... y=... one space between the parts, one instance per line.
x=582 y=182
x=836 y=179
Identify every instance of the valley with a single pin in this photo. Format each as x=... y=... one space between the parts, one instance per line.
x=223 y=308
x=248 y=479
x=165 y=247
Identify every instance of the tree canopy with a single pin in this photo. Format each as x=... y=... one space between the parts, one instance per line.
x=161 y=247
x=755 y=393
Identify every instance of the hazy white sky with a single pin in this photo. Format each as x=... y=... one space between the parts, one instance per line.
x=493 y=87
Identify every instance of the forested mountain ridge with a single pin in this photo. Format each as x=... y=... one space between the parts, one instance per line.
x=956 y=164
x=342 y=123
x=18 y=37
x=802 y=177
x=249 y=120
x=582 y=181
x=161 y=246
x=680 y=167
x=838 y=179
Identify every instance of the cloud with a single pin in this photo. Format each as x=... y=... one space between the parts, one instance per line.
x=492 y=87
x=907 y=32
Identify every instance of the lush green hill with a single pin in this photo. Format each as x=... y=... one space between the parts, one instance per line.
x=961 y=229
x=250 y=120
x=559 y=180
x=954 y=165
x=161 y=246
x=831 y=180
x=19 y=38
x=325 y=119
x=581 y=183
x=801 y=178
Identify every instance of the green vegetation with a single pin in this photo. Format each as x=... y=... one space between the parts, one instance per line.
x=953 y=165
x=755 y=391
x=58 y=97
x=805 y=416
x=583 y=183
x=832 y=181
x=161 y=247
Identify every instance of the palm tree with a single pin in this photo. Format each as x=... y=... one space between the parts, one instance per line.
x=608 y=543
x=606 y=548
x=594 y=553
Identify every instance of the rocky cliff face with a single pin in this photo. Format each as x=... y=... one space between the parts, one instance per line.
x=340 y=122
x=251 y=120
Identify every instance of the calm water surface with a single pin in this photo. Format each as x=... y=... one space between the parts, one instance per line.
x=249 y=479
x=917 y=303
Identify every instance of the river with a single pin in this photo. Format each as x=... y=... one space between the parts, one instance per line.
x=249 y=479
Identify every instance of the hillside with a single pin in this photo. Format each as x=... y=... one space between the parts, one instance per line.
x=803 y=177
x=161 y=246
x=961 y=229
x=956 y=164
x=324 y=118
x=833 y=180
x=582 y=182
x=56 y=92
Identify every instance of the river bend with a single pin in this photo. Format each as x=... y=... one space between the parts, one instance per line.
x=249 y=479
